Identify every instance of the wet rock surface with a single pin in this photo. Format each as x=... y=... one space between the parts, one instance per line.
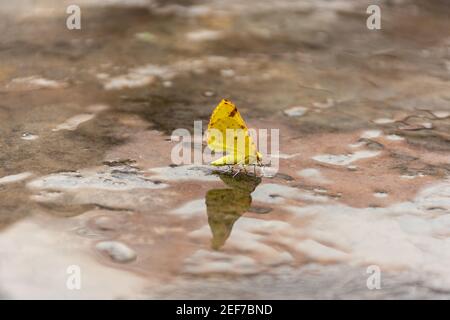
x=87 y=177
x=118 y=251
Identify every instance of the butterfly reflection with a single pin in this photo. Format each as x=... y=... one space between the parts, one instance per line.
x=225 y=206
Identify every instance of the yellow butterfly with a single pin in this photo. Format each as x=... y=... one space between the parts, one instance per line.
x=227 y=132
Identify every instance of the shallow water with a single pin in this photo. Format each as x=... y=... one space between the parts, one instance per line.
x=87 y=178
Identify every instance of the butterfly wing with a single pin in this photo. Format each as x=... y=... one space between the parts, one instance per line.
x=227 y=110
x=229 y=159
x=227 y=132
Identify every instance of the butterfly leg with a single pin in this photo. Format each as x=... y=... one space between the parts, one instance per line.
x=237 y=172
x=242 y=166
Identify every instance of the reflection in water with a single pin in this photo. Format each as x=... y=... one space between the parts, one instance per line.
x=225 y=206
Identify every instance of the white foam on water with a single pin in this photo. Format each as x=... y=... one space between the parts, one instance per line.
x=128 y=81
x=210 y=262
x=324 y=105
x=277 y=193
x=73 y=122
x=370 y=134
x=29 y=136
x=96 y=108
x=319 y=252
x=412 y=176
x=120 y=187
x=227 y=73
x=357 y=144
x=283 y=155
x=190 y=209
x=204 y=35
x=138 y=77
x=380 y=194
x=48 y=196
x=245 y=252
x=441 y=114
x=394 y=137
x=15 y=177
x=35 y=265
x=184 y=172
x=295 y=111
x=383 y=120
x=121 y=3
x=102 y=180
x=145 y=75
x=410 y=236
x=345 y=159
x=35 y=82
x=117 y=251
